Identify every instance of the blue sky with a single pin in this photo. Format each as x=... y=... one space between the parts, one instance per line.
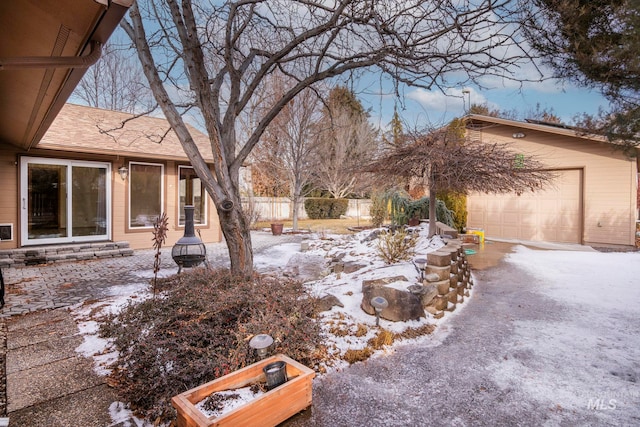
x=420 y=108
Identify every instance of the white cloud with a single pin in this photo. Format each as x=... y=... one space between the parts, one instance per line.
x=457 y=99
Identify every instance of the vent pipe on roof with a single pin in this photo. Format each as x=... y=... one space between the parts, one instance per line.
x=53 y=61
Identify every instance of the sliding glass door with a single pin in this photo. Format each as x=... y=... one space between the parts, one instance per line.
x=64 y=201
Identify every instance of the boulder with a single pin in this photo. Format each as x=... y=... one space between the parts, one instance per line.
x=327 y=302
x=403 y=305
x=378 y=283
x=373 y=235
x=430 y=292
x=352 y=267
x=305 y=267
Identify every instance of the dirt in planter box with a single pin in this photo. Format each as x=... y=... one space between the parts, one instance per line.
x=221 y=402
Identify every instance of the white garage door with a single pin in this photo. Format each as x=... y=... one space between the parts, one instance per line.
x=552 y=215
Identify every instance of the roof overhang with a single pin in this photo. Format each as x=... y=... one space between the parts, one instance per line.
x=47 y=46
x=474 y=119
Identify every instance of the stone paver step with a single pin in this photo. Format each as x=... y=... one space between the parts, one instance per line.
x=57 y=253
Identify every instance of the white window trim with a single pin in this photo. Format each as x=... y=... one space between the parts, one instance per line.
x=147 y=227
x=205 y=195
x=24 y=190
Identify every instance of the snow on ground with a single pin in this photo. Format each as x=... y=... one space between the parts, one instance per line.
x=347 y=287
x=93 y=345
x=589 y=342
x=589 y=281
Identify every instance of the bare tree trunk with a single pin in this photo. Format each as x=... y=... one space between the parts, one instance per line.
x=433 y=228
x=224 y=188
x=296 y=207
x=238 y=237
x=297 y=200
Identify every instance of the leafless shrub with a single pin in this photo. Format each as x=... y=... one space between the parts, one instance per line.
x=160 y=228
x=395 y=246
x=200 y=330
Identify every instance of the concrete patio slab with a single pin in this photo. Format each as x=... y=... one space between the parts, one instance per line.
x=86 y=408
x=47 y=382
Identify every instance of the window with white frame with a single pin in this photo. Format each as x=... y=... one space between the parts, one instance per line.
x=191 y=192
x=146 y=192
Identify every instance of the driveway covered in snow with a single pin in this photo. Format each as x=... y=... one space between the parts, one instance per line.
x=548 y=338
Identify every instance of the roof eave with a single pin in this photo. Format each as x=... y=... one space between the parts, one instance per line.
x=105 y=27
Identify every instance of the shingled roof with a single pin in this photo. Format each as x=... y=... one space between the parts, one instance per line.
x=78 y=128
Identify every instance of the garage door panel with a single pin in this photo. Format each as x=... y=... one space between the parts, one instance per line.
x=527 y=233
x=527 y=220
x=565 y=236
x=510 y=218
x=551 y=215
x=510 y=229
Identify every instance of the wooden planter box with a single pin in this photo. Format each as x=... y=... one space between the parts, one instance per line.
x=269 y=409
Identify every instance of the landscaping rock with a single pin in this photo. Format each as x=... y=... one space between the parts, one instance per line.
x=439 y=302
x=372 y=236
x=378 y=283
x=442 y=272
x=403 y=305
x=437 y=314
x=439 y=258
x=352 y=267
x=327 y=302
x=443 y=286
x=432 y=277
x=305 y=267
x=430 y=292
x=453 y=280
x=452 y=296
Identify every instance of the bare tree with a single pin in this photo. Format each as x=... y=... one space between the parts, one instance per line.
x=346 y=140
x=287 y=148
x=448 y=163
x=115 y=82
x=218 y=56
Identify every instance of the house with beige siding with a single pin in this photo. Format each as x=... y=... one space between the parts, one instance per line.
x=98 y=176
x=593 y=199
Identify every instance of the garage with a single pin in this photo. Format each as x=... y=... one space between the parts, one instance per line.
x=593 y=200
x=551 y=215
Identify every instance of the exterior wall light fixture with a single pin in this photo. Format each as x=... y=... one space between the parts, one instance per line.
x=124 y=172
